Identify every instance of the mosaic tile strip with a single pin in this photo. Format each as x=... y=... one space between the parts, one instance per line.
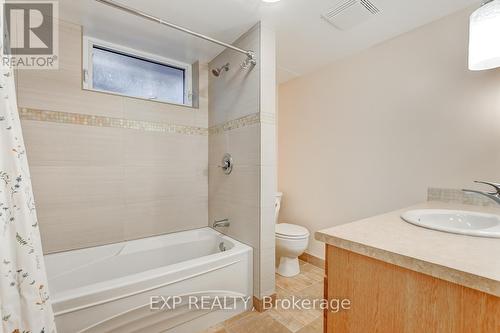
x=101 y=121
x=458 y=196
x=252 y=119
x=267 y=118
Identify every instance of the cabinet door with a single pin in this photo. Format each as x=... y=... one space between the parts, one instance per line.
x=386 y=298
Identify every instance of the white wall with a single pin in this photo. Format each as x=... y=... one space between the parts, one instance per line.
x=371 y=133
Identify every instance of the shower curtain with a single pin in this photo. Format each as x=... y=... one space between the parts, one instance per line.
x=24 y=298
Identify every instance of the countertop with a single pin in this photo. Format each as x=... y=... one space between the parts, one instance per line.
x=473 y=262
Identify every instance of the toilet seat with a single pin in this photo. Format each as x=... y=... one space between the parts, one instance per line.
x=291 y=231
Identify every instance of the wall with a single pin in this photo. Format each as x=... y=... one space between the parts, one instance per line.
x=107 y=168
x=371 y=133
x=241 y=119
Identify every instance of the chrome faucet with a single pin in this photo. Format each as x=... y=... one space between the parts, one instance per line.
x=221 y=223
x=495 y=196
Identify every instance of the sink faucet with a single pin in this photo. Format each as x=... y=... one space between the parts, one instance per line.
x=221 y=223
x=495 y=196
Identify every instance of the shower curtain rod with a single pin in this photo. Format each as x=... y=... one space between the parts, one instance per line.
x=250 y=54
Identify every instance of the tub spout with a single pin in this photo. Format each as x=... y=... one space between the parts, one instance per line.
x=221 y=223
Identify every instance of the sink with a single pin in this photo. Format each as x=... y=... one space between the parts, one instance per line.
x=455 y=221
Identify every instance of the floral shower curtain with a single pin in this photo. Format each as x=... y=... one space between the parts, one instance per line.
x=24 y=298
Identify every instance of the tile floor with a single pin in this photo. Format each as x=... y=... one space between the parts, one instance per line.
x=308 y=284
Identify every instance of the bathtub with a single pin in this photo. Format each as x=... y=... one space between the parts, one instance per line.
x=111 y=288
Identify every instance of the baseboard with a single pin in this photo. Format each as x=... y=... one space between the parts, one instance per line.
x=315 y=261
x=259 y=305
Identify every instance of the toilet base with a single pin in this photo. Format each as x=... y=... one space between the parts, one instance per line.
x=288 y=267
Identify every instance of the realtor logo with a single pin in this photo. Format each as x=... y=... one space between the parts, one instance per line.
x=30 y=34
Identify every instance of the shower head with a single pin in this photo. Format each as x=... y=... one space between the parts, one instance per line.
x=217 y=71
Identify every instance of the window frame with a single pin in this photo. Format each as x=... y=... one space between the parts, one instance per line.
x=87 y=80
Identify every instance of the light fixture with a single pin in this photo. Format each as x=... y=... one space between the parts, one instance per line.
x=484 y=37
x=271 y=1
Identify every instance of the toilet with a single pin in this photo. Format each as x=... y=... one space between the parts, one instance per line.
x=291 y=242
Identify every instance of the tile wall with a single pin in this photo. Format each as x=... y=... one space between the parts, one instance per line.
x=241 y=119
x=107 y=168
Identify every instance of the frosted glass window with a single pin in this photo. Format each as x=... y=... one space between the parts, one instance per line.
x=133 y=76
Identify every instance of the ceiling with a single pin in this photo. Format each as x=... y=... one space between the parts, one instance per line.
x=305 y=42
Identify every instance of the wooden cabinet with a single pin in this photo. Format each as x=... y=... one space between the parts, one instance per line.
x=387 y=298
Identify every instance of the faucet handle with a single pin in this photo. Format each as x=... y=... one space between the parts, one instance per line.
x=495 y=185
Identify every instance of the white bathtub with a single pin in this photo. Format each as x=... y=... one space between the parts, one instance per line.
x=109 y=288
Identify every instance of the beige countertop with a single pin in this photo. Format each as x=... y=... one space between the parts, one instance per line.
x=473 y=262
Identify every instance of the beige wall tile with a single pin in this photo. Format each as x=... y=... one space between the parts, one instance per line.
x=78 y=206
x=147 y=183
x=242 y=185
x=73 y=226
x=164 y=215
x=217 y=147
x=154 y=177
x=233 y=95
x=243 y=220
x=174 y=150
x=98 y=185
x=230 y=103
x=138 y=109
x=85 y=185
x=246 y=196
x=203 y=90
x=169 y=191
x=45 y=92
x=243 y=144
x=52 y=144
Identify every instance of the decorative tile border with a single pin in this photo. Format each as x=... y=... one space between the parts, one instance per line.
x=102 y=121
x=267 y=118
x=458 y=196
x=252 y=119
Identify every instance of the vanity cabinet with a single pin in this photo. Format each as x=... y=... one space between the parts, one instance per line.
x=389 y=298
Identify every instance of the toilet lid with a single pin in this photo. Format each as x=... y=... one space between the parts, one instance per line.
x=291 y=230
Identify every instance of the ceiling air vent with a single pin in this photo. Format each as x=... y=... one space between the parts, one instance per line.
x=350 y=13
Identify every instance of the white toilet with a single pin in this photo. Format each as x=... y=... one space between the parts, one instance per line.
x=291 y=242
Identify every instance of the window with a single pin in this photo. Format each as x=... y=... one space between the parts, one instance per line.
x=117 y=70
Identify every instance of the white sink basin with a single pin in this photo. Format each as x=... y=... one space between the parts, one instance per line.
x=455 y=221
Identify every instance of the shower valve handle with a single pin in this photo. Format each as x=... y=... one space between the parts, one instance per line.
x=227 y=164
